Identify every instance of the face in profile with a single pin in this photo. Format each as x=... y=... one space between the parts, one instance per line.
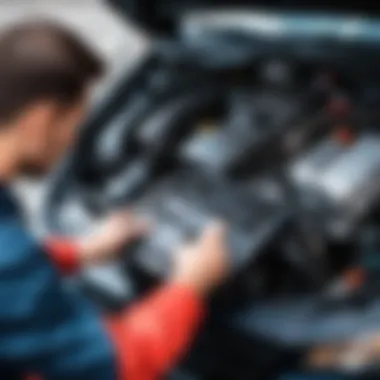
x=49 y=133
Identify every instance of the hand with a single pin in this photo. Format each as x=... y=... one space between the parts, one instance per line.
x=203 y=264
x=113 y=234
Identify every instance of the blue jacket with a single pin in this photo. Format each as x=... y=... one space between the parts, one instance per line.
x=44 y=328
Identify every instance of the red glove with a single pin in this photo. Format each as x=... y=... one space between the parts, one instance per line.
x=64 y=254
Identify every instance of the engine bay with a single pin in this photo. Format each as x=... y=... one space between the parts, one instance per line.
x=287 y=152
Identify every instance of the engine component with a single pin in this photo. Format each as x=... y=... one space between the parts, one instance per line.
x=304 y=322
x=184 y=203
x=249 y=130
x=339 y=183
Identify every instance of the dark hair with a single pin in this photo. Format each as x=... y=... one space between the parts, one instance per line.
x=42 y=60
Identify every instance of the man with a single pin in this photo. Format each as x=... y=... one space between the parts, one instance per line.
x=45 y=78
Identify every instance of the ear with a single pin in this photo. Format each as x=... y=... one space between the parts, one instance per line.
x=37 y=118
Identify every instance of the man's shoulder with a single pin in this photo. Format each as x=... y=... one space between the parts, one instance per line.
x=26 y=277
x=17 y=246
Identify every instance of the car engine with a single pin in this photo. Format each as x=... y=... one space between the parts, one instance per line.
x=286 y=150
x=339 y=181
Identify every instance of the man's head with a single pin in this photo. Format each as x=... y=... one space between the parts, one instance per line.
x=45 y=76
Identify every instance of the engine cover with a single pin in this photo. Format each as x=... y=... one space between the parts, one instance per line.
x=339 y=183
x=183 y=204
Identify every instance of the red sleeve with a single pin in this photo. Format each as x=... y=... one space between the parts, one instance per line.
x=63 y=253
x=152 y=336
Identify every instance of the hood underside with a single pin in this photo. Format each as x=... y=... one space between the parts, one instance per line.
x=162 y=17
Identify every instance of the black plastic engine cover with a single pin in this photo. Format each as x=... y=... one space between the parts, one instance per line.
x=183 y=204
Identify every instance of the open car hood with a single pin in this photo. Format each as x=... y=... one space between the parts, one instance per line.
x=162 y=17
